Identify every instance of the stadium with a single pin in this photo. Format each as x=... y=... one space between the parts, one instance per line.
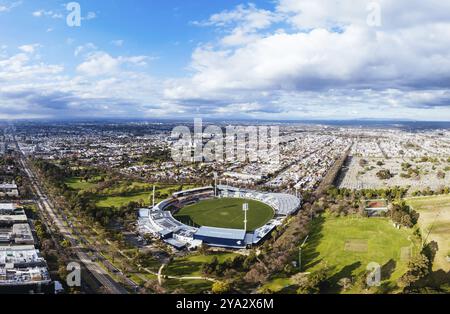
x=214 y=216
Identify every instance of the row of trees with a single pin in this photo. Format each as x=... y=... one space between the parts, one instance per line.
x=83 y=202
x=384 y=193
x=428 y=192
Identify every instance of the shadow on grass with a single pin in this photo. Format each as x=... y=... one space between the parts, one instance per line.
x=309 y=253
x=345 y=272
x=388 y=269
x=386 y=287
x=184 y=268
x=438 y=278
x=292 y=289
x=188 y=286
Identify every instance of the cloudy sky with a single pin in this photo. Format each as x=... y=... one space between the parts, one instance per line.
x=273 y=59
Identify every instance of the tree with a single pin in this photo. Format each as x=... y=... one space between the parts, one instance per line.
x=211 y=267
x=362 y=162
x=154 y=286
x=257 y=274
x=402 y=214
x=314 y=283
x=62 y=272
x=418 y=268
x=384 y=174
x=221 y=287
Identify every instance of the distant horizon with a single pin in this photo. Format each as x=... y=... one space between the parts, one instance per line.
x=78 y=119
x=366 y=123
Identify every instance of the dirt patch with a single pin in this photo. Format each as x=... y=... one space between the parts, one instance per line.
x=405 y=253
x=356 y=245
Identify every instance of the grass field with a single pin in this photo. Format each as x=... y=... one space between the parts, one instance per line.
x=191 y=265
x=115 y=197
x=434 y=222
x=78 y=184
x=118 y=201
x=349 y=244
x=226 y=213
x=142 y=195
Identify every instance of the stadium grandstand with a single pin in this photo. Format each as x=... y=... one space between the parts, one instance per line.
x=160 y=222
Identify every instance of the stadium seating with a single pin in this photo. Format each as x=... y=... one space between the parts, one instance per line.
x=160 y=222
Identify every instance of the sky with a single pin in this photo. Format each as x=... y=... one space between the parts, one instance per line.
x=272 y=59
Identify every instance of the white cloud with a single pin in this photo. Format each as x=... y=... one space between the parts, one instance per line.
x=89 y=47
x=31 y=48
x=241 y=24
x=7 y=7
x=118 y=42
x=70 y=41
x=101 y=63
x=90 y=16
x=31 y=89
x=44 y=13
x=322 y=45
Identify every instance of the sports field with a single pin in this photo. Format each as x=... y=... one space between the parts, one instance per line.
x=226 y=213
x=434 y=222
x=348 y=244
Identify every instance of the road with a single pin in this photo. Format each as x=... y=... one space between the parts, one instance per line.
x=46 y=207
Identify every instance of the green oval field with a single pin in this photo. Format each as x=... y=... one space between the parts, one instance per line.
x=226 y=213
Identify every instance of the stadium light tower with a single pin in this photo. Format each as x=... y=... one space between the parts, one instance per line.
x=300 y=253
x=245 y=209
x=215 y=184
x=153 y=201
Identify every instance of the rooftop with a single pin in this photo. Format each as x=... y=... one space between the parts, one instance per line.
x=7 y=207
x=233 y=234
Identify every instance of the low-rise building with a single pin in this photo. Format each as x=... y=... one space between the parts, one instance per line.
x=9 y=189
x=22 y=268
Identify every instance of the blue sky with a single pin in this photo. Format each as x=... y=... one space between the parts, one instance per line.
x=278 y=59
x=159 y=28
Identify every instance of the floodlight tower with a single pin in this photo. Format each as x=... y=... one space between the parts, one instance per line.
x=153 y=196
x=245 y=209
x=215 y=184
x=300 y=253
